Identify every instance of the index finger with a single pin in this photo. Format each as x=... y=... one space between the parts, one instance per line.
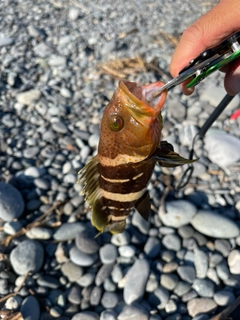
x=206 y=32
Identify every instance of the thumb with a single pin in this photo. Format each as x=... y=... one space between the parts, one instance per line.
x=208 y=31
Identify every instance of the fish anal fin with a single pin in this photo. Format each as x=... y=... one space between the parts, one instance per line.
x=143 y=206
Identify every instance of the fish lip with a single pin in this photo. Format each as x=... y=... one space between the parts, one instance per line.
x=140 y=105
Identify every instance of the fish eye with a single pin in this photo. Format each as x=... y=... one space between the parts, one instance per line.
x=115 y=122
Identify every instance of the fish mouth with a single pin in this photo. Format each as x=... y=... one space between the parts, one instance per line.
x=139 y=98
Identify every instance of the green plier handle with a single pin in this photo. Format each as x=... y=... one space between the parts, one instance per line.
x=206 y=63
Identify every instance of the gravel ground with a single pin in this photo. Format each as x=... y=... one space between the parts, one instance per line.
x=185 y=262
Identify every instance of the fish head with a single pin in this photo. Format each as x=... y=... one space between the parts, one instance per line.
x=131 y=124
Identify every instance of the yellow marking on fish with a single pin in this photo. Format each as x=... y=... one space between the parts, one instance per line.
x=115 y=180
x=120 y=159
x=120 y=218
x=138 y=176
x=122 y=197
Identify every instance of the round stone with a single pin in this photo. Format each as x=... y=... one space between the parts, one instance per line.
x=81 y=258
x=177 y=213
x=109 y=300
x=200 y=305
x=9 y=209
x=186 y=273
x=30 y=308
x=214 y=225
x=71 y=271
x=27 y=257
x=234 y=261
x=108 y=253
x=85 y=241
x=68 y=231
x=39 y=233
x=223 y=297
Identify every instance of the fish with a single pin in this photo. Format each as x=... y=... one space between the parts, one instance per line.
x=115 y=181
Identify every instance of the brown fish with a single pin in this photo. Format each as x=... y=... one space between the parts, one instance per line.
x=115 y=180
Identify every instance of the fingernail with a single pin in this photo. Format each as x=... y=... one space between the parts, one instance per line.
x=234 y=82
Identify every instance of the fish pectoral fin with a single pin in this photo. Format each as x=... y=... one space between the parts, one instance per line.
x=143 y=206
x=166 y=156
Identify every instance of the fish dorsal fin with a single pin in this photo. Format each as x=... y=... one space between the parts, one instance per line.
x=166 y=156
x=143 y=206
x=88 y=179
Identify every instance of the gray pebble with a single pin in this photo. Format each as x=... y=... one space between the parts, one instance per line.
x=13 y=303
x=200 y=305
x=12 y=227
x=86 y=315
x=39 y=233
x=133 y=312
x=142 y=225
x=186 y=232
x=5 y=41
x=68 y=231
x=66 y=93
x=74 y=295
x=85 y=241
x=223 y=297
x=95 y=296
x=93 y=140
x=81 y=258
x=28 y=97
x=152 y=247
x=200 y=263
x=73 y=14
x=182 y=288
x=172 y=242
x=34 y=172
x=86 y=280
x=56 y=311
x=169 y=281
x=56 y=61
x=222 y=270
x=212 y=275
x=108 y=314
x=177 y=109
x=214 y=225
x=48 y=281
x=10 y=210
x=109 y=300
x=108 y=253
x=228 y=154
x=136 y=279
x=59 y=127
x=27 y=256
x=177 y=213
x=103 y=273
x=30 y=152
x=234 y=261
x=159 y=298
x=71 y=271
x=117 y=273
x=186 y=273
x=204 y=287
x=120 y=239
x=41 y=183
x=30 y=308
x=127 y=251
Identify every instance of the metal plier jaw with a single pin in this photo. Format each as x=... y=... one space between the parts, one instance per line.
x=205 y=63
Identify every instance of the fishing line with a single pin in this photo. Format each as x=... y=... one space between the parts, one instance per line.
x=187 y=174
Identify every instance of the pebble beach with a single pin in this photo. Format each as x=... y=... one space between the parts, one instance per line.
x=60 y=63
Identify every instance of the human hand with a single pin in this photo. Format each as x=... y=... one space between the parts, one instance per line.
x=208 y=31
